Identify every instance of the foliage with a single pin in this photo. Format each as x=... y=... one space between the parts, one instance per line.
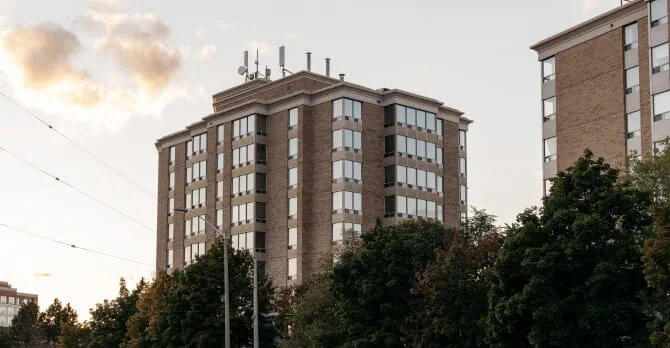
x=652 y=175
x=193 y=308
x=25 y=326
x=55 y=318
x=142 y=328
x=74 y=335
x=454 y=287
x=571 y=275
x=108 y=319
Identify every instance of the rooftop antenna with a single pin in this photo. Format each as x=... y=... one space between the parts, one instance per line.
x=327 y=67
x=309 y=61
x=244 y=69
x=256 y=62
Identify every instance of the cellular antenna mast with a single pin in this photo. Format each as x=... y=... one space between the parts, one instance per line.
x=244 y=69
x=282 y=61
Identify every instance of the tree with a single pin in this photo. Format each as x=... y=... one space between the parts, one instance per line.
x=142 y=327
x=25 y=329
x=570 y=275
x=193 y=309
x=108 y=319
x=54 y=318
x=652 y=175
x=372 y=287
x=74 y=335
x=454 y=287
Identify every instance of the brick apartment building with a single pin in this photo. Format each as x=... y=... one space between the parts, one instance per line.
x=606 y=86
x=10 y=302
x=289 y=168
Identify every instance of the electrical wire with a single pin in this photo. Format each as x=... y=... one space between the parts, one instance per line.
x=77 y=145
x=80 y=191
x=71 y=245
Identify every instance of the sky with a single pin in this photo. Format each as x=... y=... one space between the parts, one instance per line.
x=115 y=75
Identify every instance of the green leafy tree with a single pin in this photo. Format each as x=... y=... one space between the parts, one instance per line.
x=454 y=287
x=193 y=309
x=26 y=330
x=5 y=338
x=372 y=287
x=108 y=319
x=142 y=327
x=652 y=175
x=571 y=275
x=54 y=318
x=74 y=335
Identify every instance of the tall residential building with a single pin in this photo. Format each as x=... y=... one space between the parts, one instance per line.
x=10 y=302
x=291 y=168
x=606 y=86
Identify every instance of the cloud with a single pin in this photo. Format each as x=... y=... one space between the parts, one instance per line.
x=207 y=52
x=138 y=43
x=108 y=5
x=223 y=25
x=43 y=54
x=42 y=275
x=262 y=47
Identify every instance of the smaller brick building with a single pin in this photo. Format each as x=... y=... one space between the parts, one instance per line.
x=10 y=302
x=605 y=85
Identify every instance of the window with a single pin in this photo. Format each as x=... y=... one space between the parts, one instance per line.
x=195 y=226
x=548 y=69
x=170 y=232
x=348 y=171
x=219 y=162
x=246 y=126
x=292 y=207
x=630 y=37
x=170 y=258
x=462 y=139
x=346 y=140
x=293 y=177
x=196 y=172
x=171 y=206
x=464 y=194
x=293 y=238
x=549 y=109
x=245 y=155
x=344 y=231
x=219 y=218
x=293 y=118
x=172 y=154
x=11 y=300
x=632 y=80
x=245 y=241
x=659 y=12
x=292 y=268
x=412 y=207
x=196 y=145
x=293 y=148
x=244 y=184
x=349 y=202
x=196 y=198
x=189 y=149
x=347 y=109
x=219 y=134
x=3 y=299
x=462 y=166
x=548 y=183
x=662 y=106
x=430 y=122
x=187 y=255
x=633 y=124
x=659 y=58
x=400 y=114
x=243 y=213
x=550 y=149
x=171 y=181
x=420 y=119
x=412 y=147
x=219 y=190
x=411 y=117
x=439 y=127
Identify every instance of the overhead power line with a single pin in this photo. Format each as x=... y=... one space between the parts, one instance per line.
x=77 y=145
x=80 y=191
x=71 y=245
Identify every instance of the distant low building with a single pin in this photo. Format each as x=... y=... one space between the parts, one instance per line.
x=10 y=302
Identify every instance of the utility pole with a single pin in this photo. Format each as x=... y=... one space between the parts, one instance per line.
x=226 y=299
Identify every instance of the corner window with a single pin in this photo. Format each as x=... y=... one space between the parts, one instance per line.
x=550 y=149
x=464 y=194
x=293 y=148
x=219 y=218
x=630 y=37
x=170 y=232
x=171 y=206
x=548 y=183
x=662 y=106
x=462 y=166
x=292 y=268
x=633 y=124
x=659 y=58
x=293 y=177
x=462 y=139
x=347 y=202
x=549 y=109
x=347 y=140
x=632 y=80
x=171 y=181
x=293 y=118
x=659 y=12
x=172 y=154
x=548 y=69
x=292 y=207
x=219 y=134
x=348 y=109
x=219 y=162
x=170 y=258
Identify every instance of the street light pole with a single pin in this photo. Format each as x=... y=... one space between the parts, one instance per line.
x=226 y=300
